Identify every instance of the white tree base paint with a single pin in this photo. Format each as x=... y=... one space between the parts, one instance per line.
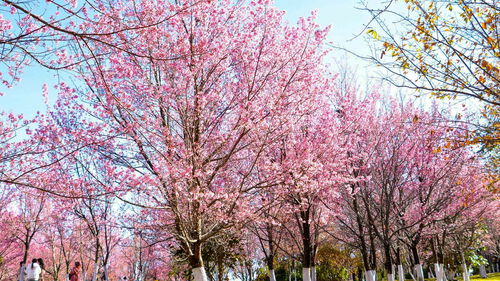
x=370 y=275
x=451 y=275
x=465 y=274
x=443 y=272
x=272 y=276
x=420 y=272
x=96 y=269
x=306 y=274
x=313 y=273
x=390 y=277
x=482 y=271
x=401 y=273
x=199 y=274
x=439 y=273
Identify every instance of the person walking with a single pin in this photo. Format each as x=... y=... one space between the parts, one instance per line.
x=33 y=271
x=73 y=275
x=22 y=272
x=42 y=268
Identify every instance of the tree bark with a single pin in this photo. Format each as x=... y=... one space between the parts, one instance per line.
x=272 y=276
x=196 y=263
x=482 y=271
x=370 y=275
x=401 y=273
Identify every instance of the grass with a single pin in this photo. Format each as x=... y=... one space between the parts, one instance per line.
x=491 y=277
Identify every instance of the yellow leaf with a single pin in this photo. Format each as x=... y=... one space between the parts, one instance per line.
x=373 y=33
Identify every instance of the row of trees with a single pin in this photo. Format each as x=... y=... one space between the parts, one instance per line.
x=383 y=188
x=197 y=131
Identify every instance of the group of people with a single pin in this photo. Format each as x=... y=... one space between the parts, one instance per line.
x=36 y=269
x=31 y=272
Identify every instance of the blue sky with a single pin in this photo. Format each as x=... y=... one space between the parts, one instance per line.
x=345 y=19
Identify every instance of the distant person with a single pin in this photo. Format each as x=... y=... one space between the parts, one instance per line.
x=22 y=271
x=73 y=275
x=33 y=271
x=42 y=267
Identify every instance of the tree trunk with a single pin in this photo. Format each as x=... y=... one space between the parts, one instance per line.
x=401 y=273
x=451 y=275
x=306 y=274
x=96 y=269
x=419 y=272
x=307 y=245
x=313 y=263
x=388 y=262
x=443 y=272
x=313 y=273
x=482 y=271
x=272 y=276
x=106 y=278
x=465 y=274
x=199 y=274
x=370 y=275
x=270 y=257
x=25 y=255
x=196 y=263
x=439 y=273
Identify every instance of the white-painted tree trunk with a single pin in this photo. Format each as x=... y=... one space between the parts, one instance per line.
x=370 y=275
x=465 y=274
x=390 y=277
x=106 y=278
x=272 y=276
x=67 y=277
x=306 y=274
x=482 y=271
x=451 y=275
x=420 y=272
x=313 y=273
x=443 y=272
x=199 y=274
x=96 y=269
x=401 y=273
x=439 y=273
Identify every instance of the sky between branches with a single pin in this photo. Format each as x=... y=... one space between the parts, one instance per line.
x=345 y=17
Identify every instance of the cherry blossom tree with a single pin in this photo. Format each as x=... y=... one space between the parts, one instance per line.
x=199 y=123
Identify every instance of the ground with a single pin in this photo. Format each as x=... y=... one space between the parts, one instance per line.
x=491 y=277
